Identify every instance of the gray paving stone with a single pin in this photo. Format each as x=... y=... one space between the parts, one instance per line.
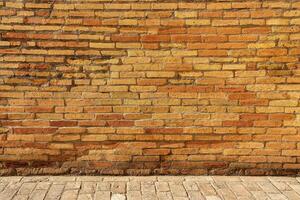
x=226 y=179
x=207 y=189
x=134 y=195
x=282 y=178
x=180 y=198
x=268 y=187
x=223 y=191
x=171 y=178
x=118 y=197
x=62 y=178
x=85 y=197
x=260 y=195
x=213 y=198
x=35 y=179
x=103 y=186
x=3 y=185
x=26 y=188
x=102 y=195
x=277 y=197
x=254 y=178
x=10 y=191
x=118 y=187
x=296 y=187
x=89 y=178
x=21 y=197
x=190 y=185
x=291 y=195
x=72 y=185
x=54 y=192
x=252 y=186
x=11 y=178
x=43 y=186
x=116 y=178
x=195 y=195
x=69 y=195
x=164 y=195
x=177 y=190
x=162 y=186
x=149 y=188
x=38 y=194
x=87 y=187
x=143 y=178
x=282 y=186
x=239 y=190
x=133 y=186
x=200 y=179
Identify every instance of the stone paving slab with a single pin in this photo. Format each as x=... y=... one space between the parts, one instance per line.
x=149 y=188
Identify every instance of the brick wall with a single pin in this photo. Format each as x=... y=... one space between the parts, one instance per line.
x=149 y=87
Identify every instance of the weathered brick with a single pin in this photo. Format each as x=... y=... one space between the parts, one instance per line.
x=155 y=38
x=197 y=22
x=225 y=22
x=218 y=6
x=257 y=30
x=164 y=6
x=93 y=138
x=205 y=84
x=181 y=14
x=287 y=103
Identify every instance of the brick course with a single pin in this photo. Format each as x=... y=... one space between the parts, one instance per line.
x=150 y=87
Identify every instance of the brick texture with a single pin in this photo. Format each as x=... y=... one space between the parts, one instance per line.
x=149 y=87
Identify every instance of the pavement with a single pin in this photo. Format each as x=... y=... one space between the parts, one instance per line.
x=148 y=188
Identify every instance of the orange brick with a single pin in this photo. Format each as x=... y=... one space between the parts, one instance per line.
x=217 y=6
x=258 y=30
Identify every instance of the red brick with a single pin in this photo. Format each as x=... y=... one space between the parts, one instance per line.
x=248 y=117
x=39 y=109
x=257 y=30
x=205 y=53
x=268 y=123
x=271 y=52
x=125 y=38
x=149 y=81
x=120 y=123
x=166 y=31
x=34 y=130
x=185 y=38
x=237 y=96
x=63 y=123
x=257 y=102
x=264 y=13
x=164 y=130
x=109 y=116
x=243 y=38
x=155 y=38
x=238 y=123
x=91 y=22
x=203 y=30
x=214 y=38
x=156 y=151
x=282 y=116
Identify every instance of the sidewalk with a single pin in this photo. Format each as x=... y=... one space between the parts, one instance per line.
x=148 y=188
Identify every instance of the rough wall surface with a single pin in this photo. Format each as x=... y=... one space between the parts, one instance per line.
x=149 y=87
